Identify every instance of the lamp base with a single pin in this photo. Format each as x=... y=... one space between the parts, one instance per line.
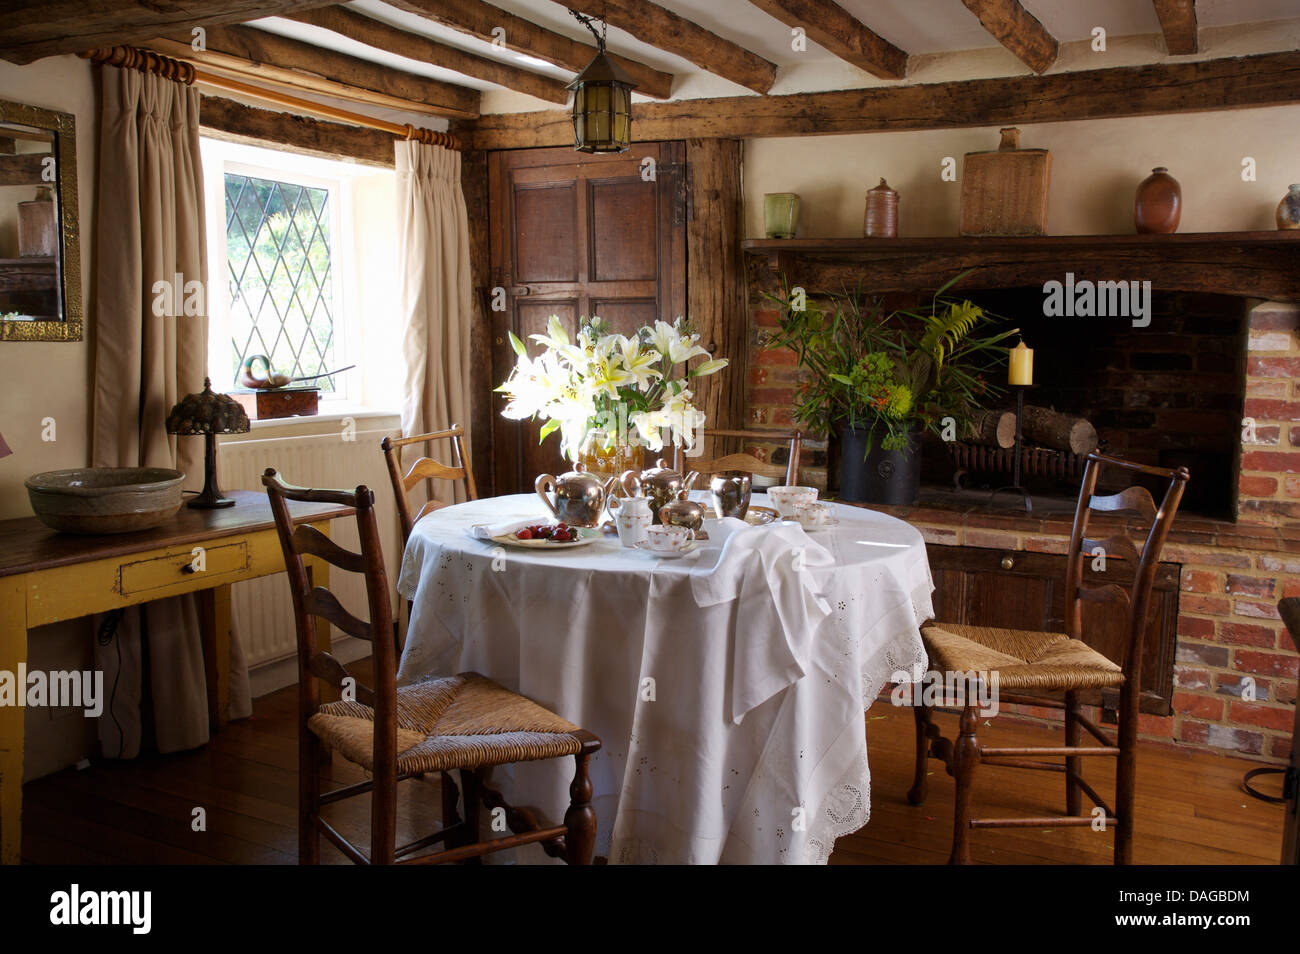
x=210 y=498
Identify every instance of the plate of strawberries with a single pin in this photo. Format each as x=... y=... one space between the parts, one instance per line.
x=548 y=536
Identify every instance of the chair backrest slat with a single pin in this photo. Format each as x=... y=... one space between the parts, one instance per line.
x=310 y=602
x=426 y=469
x=1136 y=597
x=745 y=461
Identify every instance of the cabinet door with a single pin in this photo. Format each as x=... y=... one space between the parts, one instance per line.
x=1017 y=590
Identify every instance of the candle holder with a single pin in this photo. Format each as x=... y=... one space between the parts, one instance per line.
x=1016 y=453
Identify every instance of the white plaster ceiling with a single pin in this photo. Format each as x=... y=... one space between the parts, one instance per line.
x=921 y=27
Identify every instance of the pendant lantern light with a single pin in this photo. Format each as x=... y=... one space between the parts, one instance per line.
x=602 y=101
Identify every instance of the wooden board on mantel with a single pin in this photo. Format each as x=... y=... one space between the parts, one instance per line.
x=1255 y=264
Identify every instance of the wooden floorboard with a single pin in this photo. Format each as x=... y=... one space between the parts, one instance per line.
x=1191 y=807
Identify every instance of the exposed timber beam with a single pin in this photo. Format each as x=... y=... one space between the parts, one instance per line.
x=1018 y=30
x=232 y=121
x=651 y=23
x=375 y=33
x=840 y=32
x=1267 y=79
x=247 y=52
x=478 y=19
x=1178 y=21
x=33 y=29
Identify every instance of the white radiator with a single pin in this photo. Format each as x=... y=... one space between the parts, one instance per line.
x=261 y=609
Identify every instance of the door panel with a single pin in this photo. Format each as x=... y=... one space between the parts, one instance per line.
x=546 y=247
x=575 y=235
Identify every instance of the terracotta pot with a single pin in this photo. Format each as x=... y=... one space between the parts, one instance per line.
x=1288 y=210
x=881 y=219
x=1159 y=203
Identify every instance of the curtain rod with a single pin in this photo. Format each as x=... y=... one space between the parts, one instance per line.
x=147 y=61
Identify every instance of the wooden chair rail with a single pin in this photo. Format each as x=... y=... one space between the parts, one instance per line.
x=321 y=602
x=308 y=539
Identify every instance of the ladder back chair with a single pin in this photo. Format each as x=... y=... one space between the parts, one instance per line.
x=1053 y=669
x=465 y=722
x=426 y=469
x=745 y=461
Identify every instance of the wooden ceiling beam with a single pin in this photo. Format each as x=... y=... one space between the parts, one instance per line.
x=233 y=121
x=478 y=19
x=246 y=52
x=651 y=23
x=1178 y=21
x=375 y=33
x=33 y=29
x=1018 y=30
x=1268 y=79
x=830 y=25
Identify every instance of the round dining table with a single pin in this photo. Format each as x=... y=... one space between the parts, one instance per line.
x=728 y=686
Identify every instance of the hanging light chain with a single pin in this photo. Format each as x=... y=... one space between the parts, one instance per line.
x=587 y=22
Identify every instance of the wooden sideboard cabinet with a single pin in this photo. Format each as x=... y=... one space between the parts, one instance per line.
x=1019 y=590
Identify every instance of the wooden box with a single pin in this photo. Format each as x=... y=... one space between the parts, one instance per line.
x=1004 y=192
x=273 y=403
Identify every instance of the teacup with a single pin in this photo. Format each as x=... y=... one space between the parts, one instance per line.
x=787 y=498
x=667 y=539
x=814 y=515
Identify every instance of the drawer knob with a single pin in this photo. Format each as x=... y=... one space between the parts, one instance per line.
x=188 y=568
x=1007 y=562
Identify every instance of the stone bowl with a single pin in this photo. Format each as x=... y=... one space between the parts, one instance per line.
x=95 y=500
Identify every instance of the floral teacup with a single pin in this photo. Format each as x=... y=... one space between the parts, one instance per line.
x=667 y=539
x=815 y=515
x=787 y=498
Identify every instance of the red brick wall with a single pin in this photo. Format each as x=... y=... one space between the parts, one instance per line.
x=1228 y=626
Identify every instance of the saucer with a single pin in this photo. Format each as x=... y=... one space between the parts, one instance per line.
x=667 y=554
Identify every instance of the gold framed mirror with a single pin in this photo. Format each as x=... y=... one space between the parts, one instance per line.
x=40 y=244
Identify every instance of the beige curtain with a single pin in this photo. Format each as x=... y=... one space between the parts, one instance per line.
x=433 y=244
x=149 y=228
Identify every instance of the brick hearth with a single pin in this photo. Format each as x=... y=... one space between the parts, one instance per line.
x=1232 y=573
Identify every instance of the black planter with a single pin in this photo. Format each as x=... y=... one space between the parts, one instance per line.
x=884 y=476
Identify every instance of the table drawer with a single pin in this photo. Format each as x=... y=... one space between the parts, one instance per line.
x=154 y=573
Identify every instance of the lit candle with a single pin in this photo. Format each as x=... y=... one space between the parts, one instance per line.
x=1020 y=369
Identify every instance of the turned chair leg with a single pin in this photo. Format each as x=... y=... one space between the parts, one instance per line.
x=580 y=819
x=471 y=785
x=923 y=716
x=1073 y=764
x=383 y=818
x=965 y=756
x=1125 y=779
x=309 y=759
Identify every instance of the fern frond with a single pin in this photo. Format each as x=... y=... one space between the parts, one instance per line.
x=944 y=332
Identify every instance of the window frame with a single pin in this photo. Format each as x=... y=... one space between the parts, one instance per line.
x=222 y=157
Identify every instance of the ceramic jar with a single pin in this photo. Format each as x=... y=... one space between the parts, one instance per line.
x=1288 y=210
x=881 y=218
x=1158 y=205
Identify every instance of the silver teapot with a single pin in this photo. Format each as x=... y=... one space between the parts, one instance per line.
x=661 y=484
x=681 y=511
x=579 y=496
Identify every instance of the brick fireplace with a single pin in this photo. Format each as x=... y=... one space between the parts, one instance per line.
x=1181 y=387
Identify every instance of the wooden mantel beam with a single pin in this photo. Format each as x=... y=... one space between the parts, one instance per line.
x=375 y=33
x=226 y=119
x=1178 y=21
x=246 y=52
x=841 y=33
x=478 y=19
x=651 y=23
x=32 y=29
x=1018 y=30
x=1268 y=79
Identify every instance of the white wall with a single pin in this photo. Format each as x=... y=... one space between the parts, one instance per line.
x=1096 y=167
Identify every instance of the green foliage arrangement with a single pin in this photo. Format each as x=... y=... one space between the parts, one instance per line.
x=889 y=373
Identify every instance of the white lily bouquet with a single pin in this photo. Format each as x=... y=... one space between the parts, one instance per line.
x=636 y=388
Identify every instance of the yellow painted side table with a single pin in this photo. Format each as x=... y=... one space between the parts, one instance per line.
x=46 y=577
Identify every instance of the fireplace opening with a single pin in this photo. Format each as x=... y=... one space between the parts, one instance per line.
x=1169 y=394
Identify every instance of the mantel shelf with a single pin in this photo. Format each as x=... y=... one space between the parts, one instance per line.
x=1252 y=264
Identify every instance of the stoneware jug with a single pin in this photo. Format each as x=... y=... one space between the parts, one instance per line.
x=1158 y=205
x=1288 y=210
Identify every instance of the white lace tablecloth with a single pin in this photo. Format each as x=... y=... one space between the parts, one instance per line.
x=691 y=769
